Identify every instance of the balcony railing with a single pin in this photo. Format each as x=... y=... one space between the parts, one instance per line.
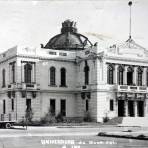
x=126 y=88
x=23 y=86
x=30 y=86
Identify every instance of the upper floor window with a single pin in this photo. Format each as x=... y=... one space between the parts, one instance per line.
x=3 y=78
x=86 y=73
x=130 y=71
x=139 y=77
x=120 y=75
x=12 y=71
x=110 y=74
x=52 y=76
x=147 y=77
x=63 y=77
x=27 y=72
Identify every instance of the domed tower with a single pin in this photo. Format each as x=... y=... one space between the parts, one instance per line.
x=69 y=39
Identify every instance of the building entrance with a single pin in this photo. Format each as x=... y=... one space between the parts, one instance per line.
x=121 y=108
x=140 y=108
x=129 y=78
x=131 y=108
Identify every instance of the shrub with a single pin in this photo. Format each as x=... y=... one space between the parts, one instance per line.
x=48 y=118
x=59 y=118
x=29 y=115
x=141 y=136
x=101 y=134
x=87 y=117
x=106 y=119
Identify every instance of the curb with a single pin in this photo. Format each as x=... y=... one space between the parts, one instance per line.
x=139 y=137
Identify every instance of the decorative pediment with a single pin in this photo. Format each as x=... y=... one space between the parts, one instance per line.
x=128 y=48
x=130 y=43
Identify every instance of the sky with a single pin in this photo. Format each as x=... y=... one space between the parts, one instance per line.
x=30 y=23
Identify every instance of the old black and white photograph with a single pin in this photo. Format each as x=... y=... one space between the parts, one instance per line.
x=73 y=74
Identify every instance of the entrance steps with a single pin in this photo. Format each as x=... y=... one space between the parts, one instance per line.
x=134 y=121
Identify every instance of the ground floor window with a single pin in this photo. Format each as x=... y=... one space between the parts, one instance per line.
x=4 y=106
x=28 y=104
x=12 y=104
x=111 y=105
x=63 y=107
x=52 y=106
x=87 y=105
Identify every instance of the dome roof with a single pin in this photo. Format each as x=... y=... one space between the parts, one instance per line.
x=69 y=39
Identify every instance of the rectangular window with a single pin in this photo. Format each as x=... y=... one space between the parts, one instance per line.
x=111 y=105
x=12 y=104
x=28 y=104
x=63 y=107
x=52 y=106
x=87 y=105
x=4 y=106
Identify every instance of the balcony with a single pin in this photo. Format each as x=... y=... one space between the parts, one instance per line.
x=126 y=88
x=24 y=86
x=12 y=86
x=30 y=86
x=85 y=87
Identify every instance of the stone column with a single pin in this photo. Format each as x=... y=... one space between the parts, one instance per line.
x=144 y=76
x=135 y=76
x=22 y=66
x=135 y=108
x=125 y=76
x=126 y=108
x=116 y=74
x=32 y=73
x=146 y=107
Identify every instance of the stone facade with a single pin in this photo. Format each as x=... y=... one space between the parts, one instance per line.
x=88 y=86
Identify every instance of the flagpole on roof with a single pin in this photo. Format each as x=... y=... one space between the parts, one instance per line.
x=130 y=21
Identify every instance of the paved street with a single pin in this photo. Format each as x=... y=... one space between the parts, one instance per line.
x=55 y=137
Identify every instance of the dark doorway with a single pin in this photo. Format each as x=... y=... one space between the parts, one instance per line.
x=140 y=108
x=52 y=106
x=129 y=78
x=63 y=107
x=121 y=108
x=131 y=108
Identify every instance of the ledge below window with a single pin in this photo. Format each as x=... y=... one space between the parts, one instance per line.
x=52 y=85
x=63 y=86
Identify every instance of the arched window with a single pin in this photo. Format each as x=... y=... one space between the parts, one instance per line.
x=120 y=75
x=52 y=76
x=130 y=71
x=63 y=77
x=110 y=74
x=86 y=73
x=27 y=73
x=13 y=72
x=139 y=77
x=4 y=78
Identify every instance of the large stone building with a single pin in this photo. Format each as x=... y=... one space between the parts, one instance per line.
x=72 y=76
